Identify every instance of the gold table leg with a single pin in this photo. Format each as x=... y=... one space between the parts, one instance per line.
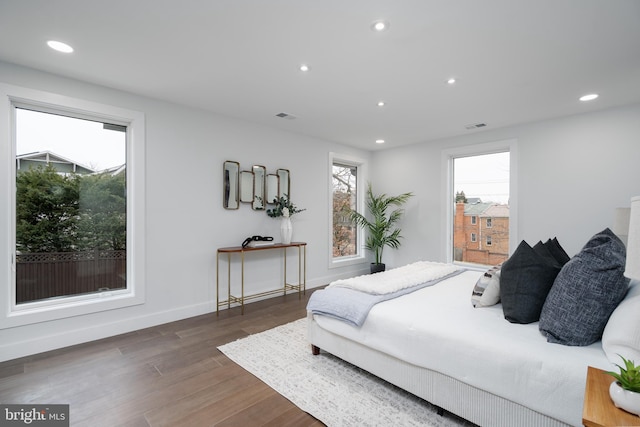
x=242 y=285
x=228 y=281
x=217 y=284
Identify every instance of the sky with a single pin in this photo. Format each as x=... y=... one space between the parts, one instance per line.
x=82 y=141
x=485 y=176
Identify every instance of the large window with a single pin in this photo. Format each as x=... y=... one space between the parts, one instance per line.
x=76 y=210
x=346 y=181
x=71 y=206
x=480 y=188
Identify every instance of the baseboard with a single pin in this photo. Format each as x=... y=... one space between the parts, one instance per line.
x=14 y=350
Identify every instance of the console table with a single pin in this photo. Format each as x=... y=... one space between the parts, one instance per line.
x=239 y=250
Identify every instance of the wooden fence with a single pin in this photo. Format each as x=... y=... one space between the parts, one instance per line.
x=57 y=274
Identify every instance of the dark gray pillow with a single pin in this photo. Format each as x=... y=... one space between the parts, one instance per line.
x=557 y=251
x=587 y=290
x=525 y=280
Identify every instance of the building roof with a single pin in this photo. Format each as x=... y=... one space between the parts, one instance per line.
x=48 y=157
x=487 y=210
x=496 y=211
x=475 y=208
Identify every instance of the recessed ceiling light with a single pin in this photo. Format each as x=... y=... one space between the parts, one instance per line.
x=381 y=103
x=589 y=97
x=59 y=46
x=451 y=81
x=379 y=141
x=304 y=68
x=380 y=26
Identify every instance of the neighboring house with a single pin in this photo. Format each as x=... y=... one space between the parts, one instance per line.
x=61 y=164
x=481 y=232
x=116 y=170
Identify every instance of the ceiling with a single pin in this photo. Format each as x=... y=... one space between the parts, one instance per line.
x=515 y=61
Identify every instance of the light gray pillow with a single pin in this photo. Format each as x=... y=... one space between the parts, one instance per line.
x=585 y=293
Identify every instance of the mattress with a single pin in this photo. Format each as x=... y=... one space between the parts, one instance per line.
x=437 y=328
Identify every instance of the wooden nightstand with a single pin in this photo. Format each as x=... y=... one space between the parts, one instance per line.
x=599 y=410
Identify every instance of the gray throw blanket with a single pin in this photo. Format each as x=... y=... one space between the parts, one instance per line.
x=353 y=306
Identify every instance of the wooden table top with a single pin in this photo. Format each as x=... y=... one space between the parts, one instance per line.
x=599 y=410
x=260 y=248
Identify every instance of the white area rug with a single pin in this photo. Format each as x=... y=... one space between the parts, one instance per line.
x=333 y=391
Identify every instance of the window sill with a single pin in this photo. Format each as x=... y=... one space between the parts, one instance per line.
x=37 y=312
x=347 y=261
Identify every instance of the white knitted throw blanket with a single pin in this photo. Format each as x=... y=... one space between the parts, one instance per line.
x=398 y=278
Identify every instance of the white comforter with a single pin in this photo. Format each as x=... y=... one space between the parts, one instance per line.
x=438 y=328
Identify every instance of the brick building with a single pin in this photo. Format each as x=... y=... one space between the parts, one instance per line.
x=481 y=232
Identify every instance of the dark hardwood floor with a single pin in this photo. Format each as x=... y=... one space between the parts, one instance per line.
x=167 y=375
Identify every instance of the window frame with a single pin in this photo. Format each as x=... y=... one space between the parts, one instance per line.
x=361 y=166
x=12 y=314
x=448 y=197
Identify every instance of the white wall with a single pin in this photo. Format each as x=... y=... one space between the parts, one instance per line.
x=185 y=220
x=572 y=173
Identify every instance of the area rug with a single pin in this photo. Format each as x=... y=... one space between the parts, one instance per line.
x=333 y=391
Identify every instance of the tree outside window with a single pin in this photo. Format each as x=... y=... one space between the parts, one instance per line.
x=344 y=231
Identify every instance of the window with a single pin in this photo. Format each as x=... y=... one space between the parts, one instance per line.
x=71 y=206
x=479 y=185
x=76 y=207
x=345 y=195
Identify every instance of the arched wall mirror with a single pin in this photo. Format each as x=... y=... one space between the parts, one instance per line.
x=230 y=191
x=284 y=183
x=253 y=186
x=272 y=187
x=259 y=177
x=246 y=187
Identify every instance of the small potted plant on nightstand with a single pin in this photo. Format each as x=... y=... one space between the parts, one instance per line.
x=625 y=392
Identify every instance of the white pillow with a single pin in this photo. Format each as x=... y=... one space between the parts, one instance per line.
x=486 y=292
x=621 y=335
x=491 y=295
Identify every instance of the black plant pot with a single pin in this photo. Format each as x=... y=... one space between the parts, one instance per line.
x=377 y=268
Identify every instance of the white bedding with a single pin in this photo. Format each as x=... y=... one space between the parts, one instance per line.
x=438 y=328
x=397 y=279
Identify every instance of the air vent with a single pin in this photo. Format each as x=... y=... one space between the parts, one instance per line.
x=286 y=116
x=475 y=126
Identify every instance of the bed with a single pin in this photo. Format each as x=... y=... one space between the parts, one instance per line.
x=470 y=361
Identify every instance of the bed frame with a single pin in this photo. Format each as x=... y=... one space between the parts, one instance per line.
x=470 y=403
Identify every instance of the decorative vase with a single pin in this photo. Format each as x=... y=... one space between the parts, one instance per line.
x=286 y=230
x=625 y=399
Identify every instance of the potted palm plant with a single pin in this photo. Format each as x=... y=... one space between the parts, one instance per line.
x=381 y=223
x=625 y=392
